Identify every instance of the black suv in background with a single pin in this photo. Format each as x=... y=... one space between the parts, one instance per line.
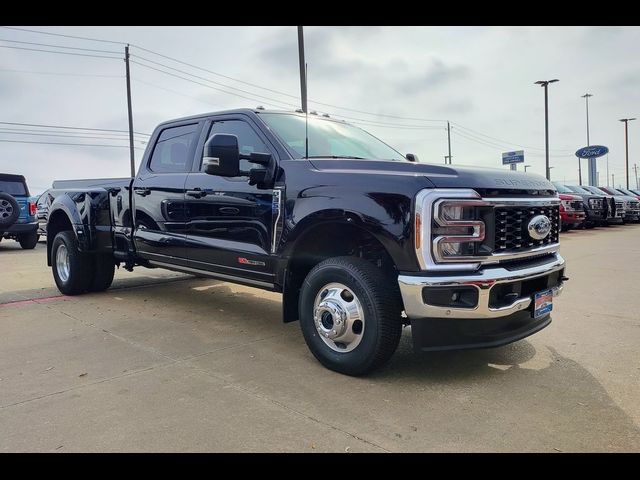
x=596 y=207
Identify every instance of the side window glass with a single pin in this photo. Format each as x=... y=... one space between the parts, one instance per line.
x=171 y=152
x=248 y=140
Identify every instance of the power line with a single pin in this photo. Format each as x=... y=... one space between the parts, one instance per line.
x=69 y=74
x=78 y=144
x=64 y=135
x=61 y=53
x=281 y=92
x=504 y=141
x=70 y=128
x=62 y=35
x=58 y=46
x=271 y=100
x=211 y=81
x=172 y=91
x=202 y=84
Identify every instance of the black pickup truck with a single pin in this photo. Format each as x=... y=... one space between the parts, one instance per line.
x=359 y=239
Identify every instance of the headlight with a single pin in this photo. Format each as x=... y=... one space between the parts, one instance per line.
x=457 y=230
x=449 y=230
x=567 y=205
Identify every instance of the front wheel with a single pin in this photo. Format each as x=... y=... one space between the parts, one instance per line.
x=350 y=315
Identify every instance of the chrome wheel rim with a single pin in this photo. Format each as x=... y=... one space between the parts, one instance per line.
x=62 y=263
x=338 y=317
x=6 y=209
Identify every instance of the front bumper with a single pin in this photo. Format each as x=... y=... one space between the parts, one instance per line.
x=503 y=311
x=572 y=217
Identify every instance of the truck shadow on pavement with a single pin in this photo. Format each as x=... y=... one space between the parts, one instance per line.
x=535 y=392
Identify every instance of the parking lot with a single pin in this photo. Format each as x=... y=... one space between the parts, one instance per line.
x=169 y=362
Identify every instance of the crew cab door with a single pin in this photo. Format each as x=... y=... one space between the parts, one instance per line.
x=229 y=223
x=158 y=195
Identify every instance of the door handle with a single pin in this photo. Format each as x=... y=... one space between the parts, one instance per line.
x=142 y=191
x=197 y=193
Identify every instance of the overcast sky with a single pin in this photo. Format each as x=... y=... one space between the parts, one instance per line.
x=479 y=78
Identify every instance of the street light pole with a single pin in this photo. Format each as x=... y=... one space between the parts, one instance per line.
x=545 y=84
x=586 y=101
x=626 y=142
x=607 y=169
x=449 y=141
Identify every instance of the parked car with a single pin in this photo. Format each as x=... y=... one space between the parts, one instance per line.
x=42 y=212
x=596 y=207
x=635 y=206
x=359 y=239
x=17 y=211
x=616 y=204
x=572 y=213
x=631 y=204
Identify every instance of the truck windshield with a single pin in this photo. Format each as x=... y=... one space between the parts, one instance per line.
x=561 y=188
x=576 y=189
x=328 y=138
x=12 y=188
x=595 y=190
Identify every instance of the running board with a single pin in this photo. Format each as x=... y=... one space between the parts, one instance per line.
x=217 y=276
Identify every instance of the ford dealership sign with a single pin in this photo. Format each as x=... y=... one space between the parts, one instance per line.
x=594 y=151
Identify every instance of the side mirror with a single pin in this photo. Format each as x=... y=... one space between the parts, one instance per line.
x=222 y=155
x=412 y=157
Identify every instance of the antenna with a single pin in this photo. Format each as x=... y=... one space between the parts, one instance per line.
x=306 y=120
x=303 y=87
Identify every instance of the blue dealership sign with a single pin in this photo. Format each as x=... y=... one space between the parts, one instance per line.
x=594 y=151
x=513 y=157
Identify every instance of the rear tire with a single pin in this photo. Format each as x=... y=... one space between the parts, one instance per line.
x=72 y=269
x=351 y=282
x=28 y=241
x=104 y=269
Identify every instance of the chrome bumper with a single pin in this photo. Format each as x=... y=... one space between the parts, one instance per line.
x=484 y=280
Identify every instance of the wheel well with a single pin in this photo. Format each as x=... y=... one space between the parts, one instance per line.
x=144 y=219
x=325 y=241
x=57 y=222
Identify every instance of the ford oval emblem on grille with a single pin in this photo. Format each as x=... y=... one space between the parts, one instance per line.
x=539 y=227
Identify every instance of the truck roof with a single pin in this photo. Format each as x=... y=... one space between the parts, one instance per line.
x=8 y=177
x=245 y=111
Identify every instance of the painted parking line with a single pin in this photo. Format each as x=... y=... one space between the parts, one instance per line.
x=19 y=303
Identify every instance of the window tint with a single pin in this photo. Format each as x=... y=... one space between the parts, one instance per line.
x=12 y=188
x=248 y=139
x=171 y=153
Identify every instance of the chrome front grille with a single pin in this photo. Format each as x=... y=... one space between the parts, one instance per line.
x=511 y=235
x=576 y=205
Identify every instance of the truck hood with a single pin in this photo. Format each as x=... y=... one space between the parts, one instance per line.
x=441 y=176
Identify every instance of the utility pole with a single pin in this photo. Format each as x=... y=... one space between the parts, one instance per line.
x=449 y=140
x=613 y=181
x=635 y=169
x=303 y=76
x=545 y=85
x=131 y=149
x=586 y=100
x=626 y=143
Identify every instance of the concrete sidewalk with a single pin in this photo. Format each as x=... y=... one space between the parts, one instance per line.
x=168 y=362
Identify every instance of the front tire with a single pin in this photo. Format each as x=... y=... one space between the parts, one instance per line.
x=72 y=270
x=28 y=241
x=350 y=315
